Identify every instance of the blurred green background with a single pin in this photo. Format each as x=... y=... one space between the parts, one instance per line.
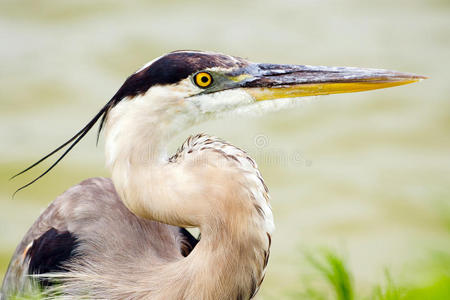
x=366 y=175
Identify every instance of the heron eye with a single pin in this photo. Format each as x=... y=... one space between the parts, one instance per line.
x=203 y=79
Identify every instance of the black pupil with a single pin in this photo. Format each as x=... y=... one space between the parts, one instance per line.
x=204 y=79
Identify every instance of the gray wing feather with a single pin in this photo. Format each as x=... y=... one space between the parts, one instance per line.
x=105 y=229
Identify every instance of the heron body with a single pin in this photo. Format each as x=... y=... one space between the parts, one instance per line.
x=125 y=237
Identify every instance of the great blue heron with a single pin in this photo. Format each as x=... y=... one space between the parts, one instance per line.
x=125 y=237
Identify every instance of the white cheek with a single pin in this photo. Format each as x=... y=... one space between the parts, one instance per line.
x=222 y=101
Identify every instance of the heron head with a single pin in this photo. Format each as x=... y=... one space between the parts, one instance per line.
x=186 y=87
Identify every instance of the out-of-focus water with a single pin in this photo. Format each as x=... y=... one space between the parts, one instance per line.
x=366 y=173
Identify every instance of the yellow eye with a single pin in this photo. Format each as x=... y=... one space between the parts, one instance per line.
x=203 y=79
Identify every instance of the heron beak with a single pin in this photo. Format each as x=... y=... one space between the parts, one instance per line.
x=271 y=81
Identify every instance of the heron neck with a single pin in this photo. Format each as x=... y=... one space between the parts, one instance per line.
x=228 y=203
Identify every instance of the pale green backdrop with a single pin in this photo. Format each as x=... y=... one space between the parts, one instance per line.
x=367 y=174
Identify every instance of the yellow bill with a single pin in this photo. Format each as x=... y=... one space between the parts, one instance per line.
x=270 y=81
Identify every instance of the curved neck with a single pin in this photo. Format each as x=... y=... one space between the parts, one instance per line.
x=229 y=261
